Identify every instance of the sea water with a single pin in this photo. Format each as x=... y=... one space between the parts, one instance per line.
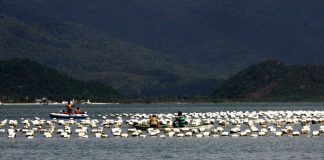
x=270 y=147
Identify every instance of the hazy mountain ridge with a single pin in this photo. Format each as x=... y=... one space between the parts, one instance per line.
x=198 y=31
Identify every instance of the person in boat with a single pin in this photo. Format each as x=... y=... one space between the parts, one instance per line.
x=78 y=111
x=154 y=123
x=180 y=120
x=69 y=107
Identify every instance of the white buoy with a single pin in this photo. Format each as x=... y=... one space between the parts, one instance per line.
x=142 y=136
x=180 y=135
x=171 y=134
x=65 y=135
x=47 y=134
x=202 y=129
x=315 y=133
x=322 y=129
x=278 y=133
x=220 y=129
x=261 y=133
x=29 y=133
x=295 y=133
x=215 y=135
x=225 y=133
x=30 y=137
x=12 y=135
x=195 y=131
x=206 y=134
x=305 y=129
x=81 y=134
x=2 y=130
x=131 y=130
x=243 y=133
x=104 y=135
x=166 y=130
x=98 y=134
x=254 y=129
x=199 y=135
x=184 y=129
x=254 y=135
x=85 y=136
x=214 y=131
x=235 y=135
x=188 y=133
x=176 y=130
x=116 y=131
x=135 y=134
x=124 y=135
x=235 y=130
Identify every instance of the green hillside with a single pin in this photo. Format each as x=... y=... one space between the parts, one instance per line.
x=88 y=54
x=21 y=78
x=275 y=81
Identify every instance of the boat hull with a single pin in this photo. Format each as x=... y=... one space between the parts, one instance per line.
x=163 y=127
x=68 y=116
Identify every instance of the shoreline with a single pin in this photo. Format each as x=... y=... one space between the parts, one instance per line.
x=171 y=102
x=40 y=104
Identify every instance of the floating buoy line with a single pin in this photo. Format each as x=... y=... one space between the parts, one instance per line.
x=200 y=125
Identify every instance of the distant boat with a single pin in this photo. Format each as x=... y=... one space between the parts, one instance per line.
x=64 y=102
x=68 y=116
x=87 y=102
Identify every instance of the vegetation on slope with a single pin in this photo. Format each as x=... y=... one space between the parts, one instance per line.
x=92 y=55
x=275 y=81
x=23 y=79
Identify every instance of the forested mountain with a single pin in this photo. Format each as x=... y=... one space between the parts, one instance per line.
x=22 y=78
x=217 y=32
x=274 y=81
x=91 y=55
x=206 y=40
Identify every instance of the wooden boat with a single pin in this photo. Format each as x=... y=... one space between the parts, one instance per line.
x=162 y=127
x=68 y=116
x=141 y=127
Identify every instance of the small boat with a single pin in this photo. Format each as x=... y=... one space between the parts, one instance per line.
x=140 y=127
x=162 y=127
x=68 y=116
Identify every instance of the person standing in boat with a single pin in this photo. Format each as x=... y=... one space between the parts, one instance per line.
x=69 y=107
x=180 y=120
x=78 y=111
x=154 y=123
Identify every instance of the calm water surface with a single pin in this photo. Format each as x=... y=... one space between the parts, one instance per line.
x=301 y=147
